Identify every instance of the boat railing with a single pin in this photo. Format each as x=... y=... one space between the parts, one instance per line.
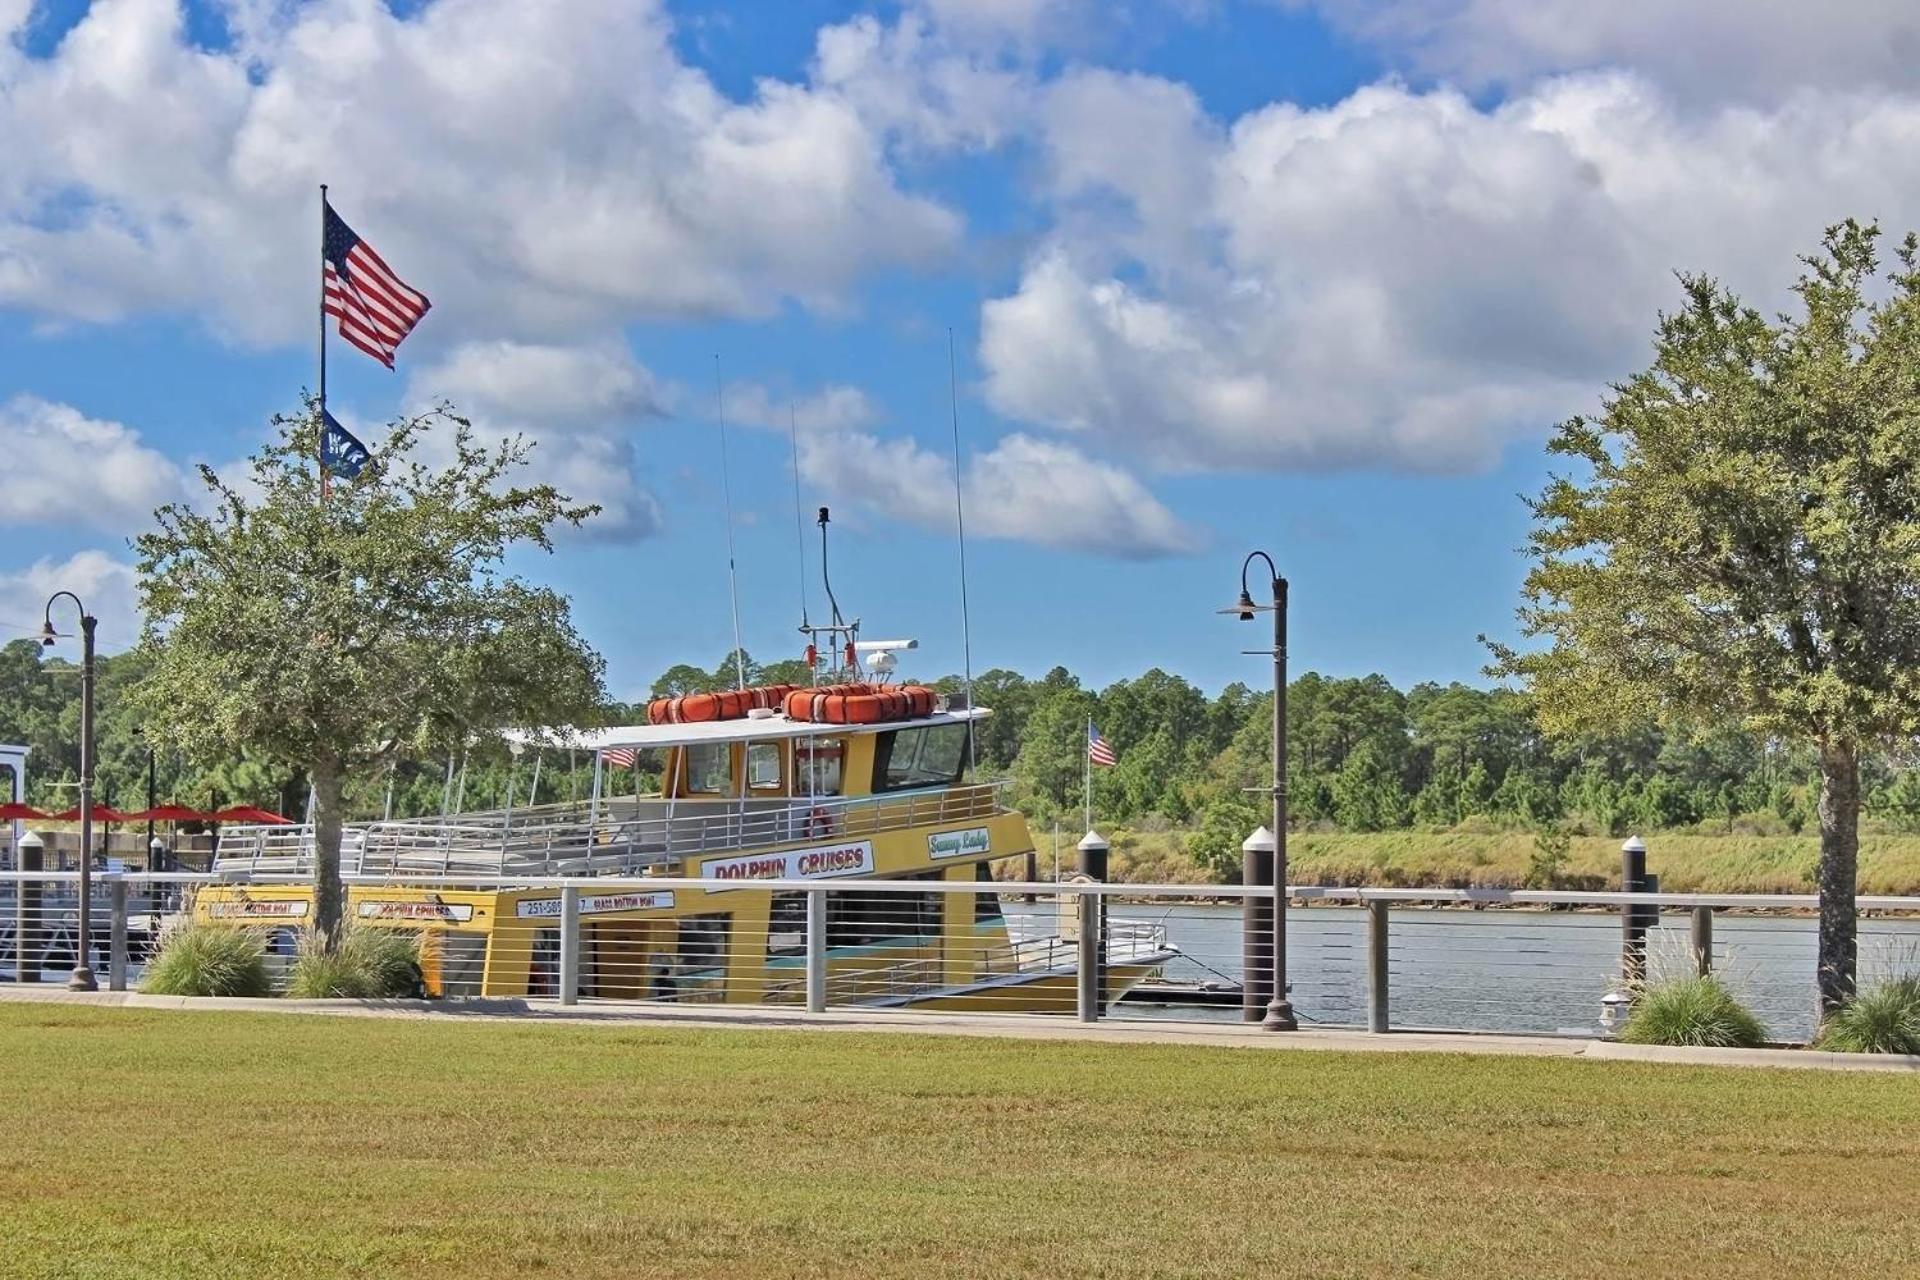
x=624 y=836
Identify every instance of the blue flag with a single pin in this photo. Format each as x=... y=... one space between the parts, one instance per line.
x=340 y=452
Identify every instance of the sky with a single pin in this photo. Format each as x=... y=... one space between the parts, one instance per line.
x=1316 y=277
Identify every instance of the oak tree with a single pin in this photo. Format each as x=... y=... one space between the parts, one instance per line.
x=336 y=635
x=1740 y=542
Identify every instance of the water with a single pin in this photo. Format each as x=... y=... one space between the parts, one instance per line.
x=1506 y=970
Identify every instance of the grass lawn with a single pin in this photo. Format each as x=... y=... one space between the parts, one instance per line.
x=206 y=1144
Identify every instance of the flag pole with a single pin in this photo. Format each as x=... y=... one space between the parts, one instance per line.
x=320 y=422
x=1086 y=753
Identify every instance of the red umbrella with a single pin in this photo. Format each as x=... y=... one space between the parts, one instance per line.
x=101 y=813
x=247 y=813
x=22 y=813
x=170 y=813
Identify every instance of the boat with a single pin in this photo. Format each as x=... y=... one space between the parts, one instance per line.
x=850 y=777
x=767 y=795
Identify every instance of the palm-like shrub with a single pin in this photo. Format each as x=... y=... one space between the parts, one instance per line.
x=371 y=963
x=1883 y=1019
x=209 y=960
x=1695 y=1011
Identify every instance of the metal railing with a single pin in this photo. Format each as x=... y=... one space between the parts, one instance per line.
x=1384 y=959
x=621 y=836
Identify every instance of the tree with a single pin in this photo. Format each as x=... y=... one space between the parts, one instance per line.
x=339 y=635
x=1743 y=545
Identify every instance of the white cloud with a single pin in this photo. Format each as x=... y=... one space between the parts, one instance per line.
x=1404 y=279
x=65 y=468
x=108 y=587
x=579 y=405
x=1022 y=489
x=1697 y=49
x=836 y=407
x=538 y=177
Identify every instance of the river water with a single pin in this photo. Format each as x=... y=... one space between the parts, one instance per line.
x=1504 y=970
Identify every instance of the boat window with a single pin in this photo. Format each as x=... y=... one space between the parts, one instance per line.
x=703 y=941
x=763 y=766
x=787 y=925
x=986 y=906
x=819 y=762
x=926 y=757
x=710 y=767
x=861 y=917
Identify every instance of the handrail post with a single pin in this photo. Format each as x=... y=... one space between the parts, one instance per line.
x=816 y=951
x=1088 y=969
x=28 y=900
x=1703 y=940
x=569 y=945
x=1378 y=1017
x=117 y=953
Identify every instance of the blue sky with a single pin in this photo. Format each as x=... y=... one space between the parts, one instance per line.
x=1313 y=277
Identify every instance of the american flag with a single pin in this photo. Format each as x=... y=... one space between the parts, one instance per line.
x=622 y=756
x=1099 y=750
x=376 y=309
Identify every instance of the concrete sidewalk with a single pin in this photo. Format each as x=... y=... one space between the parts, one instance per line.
x=1004 y=1026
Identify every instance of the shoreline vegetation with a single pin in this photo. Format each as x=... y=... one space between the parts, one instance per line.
x=1685 y=862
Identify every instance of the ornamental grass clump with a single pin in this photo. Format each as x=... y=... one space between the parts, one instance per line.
x=1694 y=1011
x=1882 y=1019
x=209 y=960
x=370 y=963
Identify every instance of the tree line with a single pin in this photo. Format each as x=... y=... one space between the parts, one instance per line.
x=1363 y=755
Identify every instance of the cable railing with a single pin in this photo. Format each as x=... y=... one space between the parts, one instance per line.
x=1515 y=961
x=619 y=836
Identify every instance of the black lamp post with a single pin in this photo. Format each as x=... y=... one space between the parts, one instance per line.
x=1279 y=1009
x=82 y=977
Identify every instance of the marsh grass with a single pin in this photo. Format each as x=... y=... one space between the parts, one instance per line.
x=371 y=963
x=206 y=960
x=1459 y=859
x=1885 y=1018
x=1695 y=1010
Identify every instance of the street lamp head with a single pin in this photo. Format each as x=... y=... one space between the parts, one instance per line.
x=48 y=635
x=1244 y=607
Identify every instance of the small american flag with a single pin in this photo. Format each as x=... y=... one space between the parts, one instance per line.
x=622 y=756
x=1099 y=750
x=376 y=309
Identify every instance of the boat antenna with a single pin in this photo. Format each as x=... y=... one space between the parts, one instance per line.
x=799 y=524
x=842 y=636
x=826 y=581
x=960 y=521
x=726 y=490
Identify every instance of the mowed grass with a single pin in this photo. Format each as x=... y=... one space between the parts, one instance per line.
x=142 y=1143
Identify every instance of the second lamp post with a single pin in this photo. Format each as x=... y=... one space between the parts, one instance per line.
x=82 y=977
x=1279 y=1014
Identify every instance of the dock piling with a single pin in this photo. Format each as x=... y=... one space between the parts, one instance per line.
x=1703 y=940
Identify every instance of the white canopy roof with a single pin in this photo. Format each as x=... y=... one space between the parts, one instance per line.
x=762 y=729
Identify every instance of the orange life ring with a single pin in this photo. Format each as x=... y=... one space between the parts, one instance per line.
x=722 y=704
x=861 y=703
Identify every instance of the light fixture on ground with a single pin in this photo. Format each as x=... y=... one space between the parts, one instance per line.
x=1267 y=865
x=82 y=978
